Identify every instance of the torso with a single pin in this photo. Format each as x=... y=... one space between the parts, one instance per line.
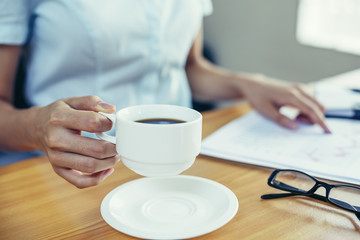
x=127 y=52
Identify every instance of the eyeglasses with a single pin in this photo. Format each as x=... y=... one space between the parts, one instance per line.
x=301 y=184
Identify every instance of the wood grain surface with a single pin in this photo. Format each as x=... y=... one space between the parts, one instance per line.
x=37 y=204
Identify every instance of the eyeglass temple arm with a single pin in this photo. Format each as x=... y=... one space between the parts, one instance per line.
x=349 y=206
x=344 y=204
x=282 y=195
x=315 y=196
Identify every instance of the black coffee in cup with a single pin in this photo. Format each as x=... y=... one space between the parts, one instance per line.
x=160 y=121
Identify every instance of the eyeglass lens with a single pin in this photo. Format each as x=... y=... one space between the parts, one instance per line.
x=293 y=181
x=347 y=197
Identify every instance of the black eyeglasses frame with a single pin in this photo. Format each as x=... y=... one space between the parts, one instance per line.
x=311 y=193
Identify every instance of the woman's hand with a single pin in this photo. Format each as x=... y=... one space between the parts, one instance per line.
x=80 y=160
x=267 y=96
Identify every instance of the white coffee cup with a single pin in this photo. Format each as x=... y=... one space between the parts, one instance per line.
x=156 y=149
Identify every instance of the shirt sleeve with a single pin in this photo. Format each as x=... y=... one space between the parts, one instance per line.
x=208 y=7
x=14 y=16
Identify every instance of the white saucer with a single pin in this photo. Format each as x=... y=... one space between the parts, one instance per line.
x=176 y=207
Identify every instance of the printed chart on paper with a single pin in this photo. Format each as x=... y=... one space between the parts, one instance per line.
x=256 y=140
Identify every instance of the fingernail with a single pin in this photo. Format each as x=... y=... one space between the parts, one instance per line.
x=327 y=130
x=325 y=127
x=105 y=107
x=107 y=173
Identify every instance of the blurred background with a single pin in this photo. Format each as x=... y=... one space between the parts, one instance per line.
x=260 y=36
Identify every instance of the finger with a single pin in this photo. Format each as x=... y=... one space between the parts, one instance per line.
x=311 y=98
x=307 y=108
x=90 y=103
x=81 y=163
x=82 y=120
x=83 y=180
x=270 y=111
x=304 y=119
x=67 y=141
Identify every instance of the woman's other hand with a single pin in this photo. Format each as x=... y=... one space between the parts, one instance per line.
x=268 y=95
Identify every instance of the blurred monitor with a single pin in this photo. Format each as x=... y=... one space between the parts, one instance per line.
x=331 y=24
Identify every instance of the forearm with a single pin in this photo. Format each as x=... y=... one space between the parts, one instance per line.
x=16 y=132
x=15 y=124
x=209 y=82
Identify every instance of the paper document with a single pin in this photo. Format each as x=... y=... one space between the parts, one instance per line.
x=256 y=140
x=335 y=92
x=344 y=80
x=330 y=24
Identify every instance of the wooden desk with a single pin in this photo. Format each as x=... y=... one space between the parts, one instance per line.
x=37 y=204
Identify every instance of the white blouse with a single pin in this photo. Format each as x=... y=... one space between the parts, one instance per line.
x=127 y=52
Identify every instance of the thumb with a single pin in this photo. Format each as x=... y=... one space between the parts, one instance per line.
x=90 y=103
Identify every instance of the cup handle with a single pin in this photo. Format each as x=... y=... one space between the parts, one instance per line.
x=104 y=136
